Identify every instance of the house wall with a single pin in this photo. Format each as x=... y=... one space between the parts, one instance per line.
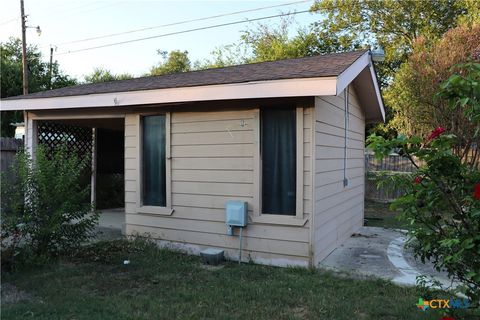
x=212 y=161
x=338 y=209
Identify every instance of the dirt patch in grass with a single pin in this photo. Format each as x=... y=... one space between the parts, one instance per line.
x=300 y=312
x=11 y=294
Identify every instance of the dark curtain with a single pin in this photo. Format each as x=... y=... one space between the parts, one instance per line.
x=153 y=160
x=278 y=134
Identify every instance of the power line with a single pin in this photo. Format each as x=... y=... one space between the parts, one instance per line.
x=8 y=21
x=183 y=31
x=179 y=23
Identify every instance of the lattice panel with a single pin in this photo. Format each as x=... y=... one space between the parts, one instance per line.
x=78 y=139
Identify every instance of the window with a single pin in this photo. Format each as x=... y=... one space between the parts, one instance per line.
x=278 y=160
x=154 y=191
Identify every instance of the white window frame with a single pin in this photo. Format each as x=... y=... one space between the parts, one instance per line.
x=258 y=217
x=167 y=210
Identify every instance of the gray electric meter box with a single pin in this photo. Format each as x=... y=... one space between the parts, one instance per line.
x=236 y=213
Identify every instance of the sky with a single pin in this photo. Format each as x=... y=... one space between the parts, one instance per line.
x=65 y=21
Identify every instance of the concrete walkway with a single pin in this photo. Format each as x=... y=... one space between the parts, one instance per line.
x=380 y=252
x=110 y=224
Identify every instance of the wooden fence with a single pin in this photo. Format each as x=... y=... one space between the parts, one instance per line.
x=8 y=149
x=380 y=169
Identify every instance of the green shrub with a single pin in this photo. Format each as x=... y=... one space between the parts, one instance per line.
x=442 y=200
x=47 y=210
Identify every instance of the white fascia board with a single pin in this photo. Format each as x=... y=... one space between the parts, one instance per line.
x=347 y=76
x=377 y=90
x=249 y=90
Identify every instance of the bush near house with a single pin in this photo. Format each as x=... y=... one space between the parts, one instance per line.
x=47 y=211
x=443 y=196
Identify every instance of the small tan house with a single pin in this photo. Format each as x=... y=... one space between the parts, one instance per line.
x=287 y=137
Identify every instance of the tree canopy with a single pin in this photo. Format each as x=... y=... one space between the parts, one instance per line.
x=39 y=77
x=412 y=95
x=172 y=62
x=105 y=75
x=273 y=42
x=393 y=25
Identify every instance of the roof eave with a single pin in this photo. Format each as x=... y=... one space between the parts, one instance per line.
x=297 y=87
x=363 y=72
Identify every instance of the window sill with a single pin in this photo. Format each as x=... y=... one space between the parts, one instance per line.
x=279 y=220
x=164 y=211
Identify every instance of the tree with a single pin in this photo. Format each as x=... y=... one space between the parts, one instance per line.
x=442 y=200
x=268 y=43
x=411 y=96
x=103 y=75
x=39 y=77
x=47 y=210
x=394 y=25
x=172 y=62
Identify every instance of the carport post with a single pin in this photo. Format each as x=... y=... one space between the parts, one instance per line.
x=93 y=184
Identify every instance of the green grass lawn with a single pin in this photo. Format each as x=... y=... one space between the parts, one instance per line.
x=378 y=214
x=161 y=284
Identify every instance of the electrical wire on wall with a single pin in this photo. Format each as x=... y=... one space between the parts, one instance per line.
x=345 y=180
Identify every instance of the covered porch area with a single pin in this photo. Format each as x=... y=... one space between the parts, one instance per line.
x=101 y=138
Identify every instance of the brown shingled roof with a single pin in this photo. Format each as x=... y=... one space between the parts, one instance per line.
x=308 y=67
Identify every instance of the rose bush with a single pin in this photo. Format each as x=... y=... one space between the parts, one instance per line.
x=442 y=200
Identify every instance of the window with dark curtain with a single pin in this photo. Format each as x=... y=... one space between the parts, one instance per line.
x=153 y=161
x=278 y=153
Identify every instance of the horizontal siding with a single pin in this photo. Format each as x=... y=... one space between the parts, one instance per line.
x=216 y=126
x=338 y=209
x=229 y=176
x=325 y=165
x=213 y=151
x=259 y=245
x=212 y=161
x=224 y=163
x=212 y=138
x=324 y=127
x=218 y=227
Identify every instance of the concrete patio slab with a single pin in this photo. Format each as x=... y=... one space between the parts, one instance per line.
x=110 y=224
x=112 y=218
x=380 y=252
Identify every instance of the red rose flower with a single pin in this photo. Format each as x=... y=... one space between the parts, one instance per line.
x=417 y=180
x=435 y=133
x=447 y=318
x=476 y=192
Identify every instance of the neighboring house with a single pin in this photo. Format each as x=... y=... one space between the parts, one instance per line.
x=285 y=136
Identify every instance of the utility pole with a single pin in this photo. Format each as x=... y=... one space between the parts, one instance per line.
x=24 y=49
